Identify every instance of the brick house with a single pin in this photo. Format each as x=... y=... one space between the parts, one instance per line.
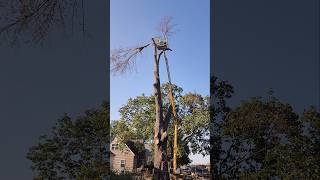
x=134 y=155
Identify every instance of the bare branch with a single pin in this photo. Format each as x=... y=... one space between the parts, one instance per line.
x=166 y=27
x=123 y=60
x=36 y=18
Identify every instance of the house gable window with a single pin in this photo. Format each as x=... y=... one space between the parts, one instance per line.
x=123 y=163
x=114 y=146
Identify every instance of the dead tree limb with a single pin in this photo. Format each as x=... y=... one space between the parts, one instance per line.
x=166 y=27
x=35 y=19
x=123 y=60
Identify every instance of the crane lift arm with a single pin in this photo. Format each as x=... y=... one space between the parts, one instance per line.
x=175 y=139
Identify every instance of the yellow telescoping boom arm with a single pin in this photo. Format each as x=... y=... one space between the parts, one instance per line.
x=175 y=139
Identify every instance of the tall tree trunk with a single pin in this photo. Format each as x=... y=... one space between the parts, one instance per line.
x=160 y=128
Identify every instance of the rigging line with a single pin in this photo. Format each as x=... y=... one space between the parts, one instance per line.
x=167 y=64
x=170 y=87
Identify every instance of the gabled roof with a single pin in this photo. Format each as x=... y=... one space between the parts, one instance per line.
x=137 y=147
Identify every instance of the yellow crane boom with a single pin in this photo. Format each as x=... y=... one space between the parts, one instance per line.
x=175 y=138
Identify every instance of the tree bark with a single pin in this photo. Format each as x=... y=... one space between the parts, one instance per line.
x=160 y=130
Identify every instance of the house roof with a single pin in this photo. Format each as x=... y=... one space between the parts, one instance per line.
x=137 y=147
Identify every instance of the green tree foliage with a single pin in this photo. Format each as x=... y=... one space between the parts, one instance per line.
x=138 y=117
x=262 y=138
x=195 y=119
x=220 y=92
x=254 y=129
x=76 y=148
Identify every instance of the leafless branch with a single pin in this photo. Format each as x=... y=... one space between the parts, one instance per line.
x=123 y=60
x=35 y=17
x=166 y=27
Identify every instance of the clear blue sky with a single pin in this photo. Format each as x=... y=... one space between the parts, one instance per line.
x=134 y=22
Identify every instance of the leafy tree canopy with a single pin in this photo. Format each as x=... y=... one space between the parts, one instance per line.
x=138 y=117
x=75 y=149
x=262 y=138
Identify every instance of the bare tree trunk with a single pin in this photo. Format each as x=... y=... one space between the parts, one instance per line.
x=160 y=128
